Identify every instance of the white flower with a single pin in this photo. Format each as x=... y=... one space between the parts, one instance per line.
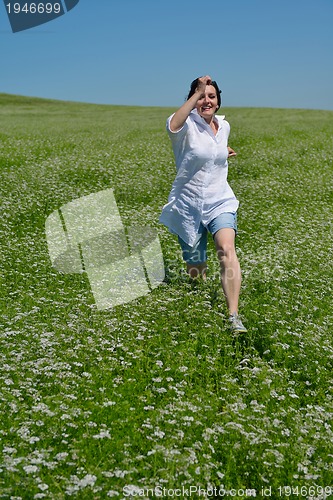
x=30 y=469
x=102 y=435
x=161 y=390
x=43 y=486
x=88 y=480
x=159 y=434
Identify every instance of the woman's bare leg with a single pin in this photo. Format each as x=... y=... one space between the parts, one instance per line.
x=230 y=269
x=197 y=270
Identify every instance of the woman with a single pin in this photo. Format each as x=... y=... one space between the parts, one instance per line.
x=201 y=199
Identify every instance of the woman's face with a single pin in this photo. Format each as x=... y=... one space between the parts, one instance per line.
x=207 y=105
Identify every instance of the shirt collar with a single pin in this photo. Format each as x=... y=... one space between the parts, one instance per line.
x=197 y=118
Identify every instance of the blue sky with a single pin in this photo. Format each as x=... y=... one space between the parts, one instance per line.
x=263 y=53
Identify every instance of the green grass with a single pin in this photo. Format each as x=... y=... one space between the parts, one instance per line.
x=157 y=392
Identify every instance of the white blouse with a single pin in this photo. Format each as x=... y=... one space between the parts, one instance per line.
x=200 y=191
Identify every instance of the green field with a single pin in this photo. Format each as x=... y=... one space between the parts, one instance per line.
x=157 y=393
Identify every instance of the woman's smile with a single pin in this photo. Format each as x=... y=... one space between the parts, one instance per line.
x=208 y=104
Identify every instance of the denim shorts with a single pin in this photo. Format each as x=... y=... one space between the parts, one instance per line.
x=198 y=253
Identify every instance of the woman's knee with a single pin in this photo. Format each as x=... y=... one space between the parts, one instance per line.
x=226 y=251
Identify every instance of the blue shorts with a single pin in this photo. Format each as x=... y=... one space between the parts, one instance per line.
x=198 y=253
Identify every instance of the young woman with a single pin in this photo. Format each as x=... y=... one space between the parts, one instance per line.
x=201 y=199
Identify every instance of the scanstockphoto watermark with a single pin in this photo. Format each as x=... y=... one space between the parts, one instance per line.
x=309 y=491
x=268 y=265
x=23 y=14
x=88 y=235
x=133 y=491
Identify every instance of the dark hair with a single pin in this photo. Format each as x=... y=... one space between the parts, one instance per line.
x=194 y=85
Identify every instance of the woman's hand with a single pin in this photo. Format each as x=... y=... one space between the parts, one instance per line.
x=202 y=82
x=231 y=152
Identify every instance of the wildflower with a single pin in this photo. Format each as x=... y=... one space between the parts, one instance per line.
x=30 y=469
x=103 y=434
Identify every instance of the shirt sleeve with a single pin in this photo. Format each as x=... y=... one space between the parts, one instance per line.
x=179 y=134
x=226 y=128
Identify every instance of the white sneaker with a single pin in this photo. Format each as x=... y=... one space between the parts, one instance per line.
x=236 y=324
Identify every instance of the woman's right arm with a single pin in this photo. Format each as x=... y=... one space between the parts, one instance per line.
x=181 y=115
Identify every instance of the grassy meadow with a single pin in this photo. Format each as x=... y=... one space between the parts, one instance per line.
x=156 y=396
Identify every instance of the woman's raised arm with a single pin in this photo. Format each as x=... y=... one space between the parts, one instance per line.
x=181 y=115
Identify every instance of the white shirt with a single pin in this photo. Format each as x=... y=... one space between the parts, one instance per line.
x=200 y=191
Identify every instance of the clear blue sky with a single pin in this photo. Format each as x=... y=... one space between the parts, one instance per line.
x=263 y=53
